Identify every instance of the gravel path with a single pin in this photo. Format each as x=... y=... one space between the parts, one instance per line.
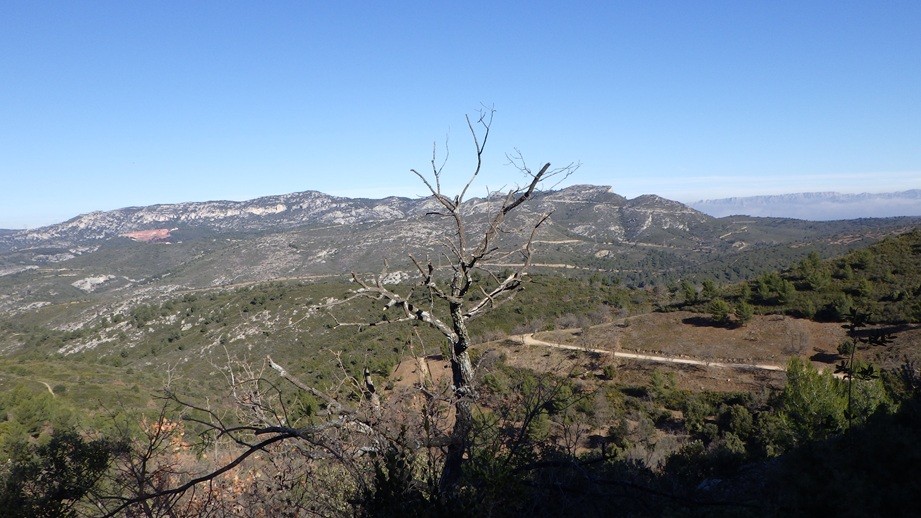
x=528 y=339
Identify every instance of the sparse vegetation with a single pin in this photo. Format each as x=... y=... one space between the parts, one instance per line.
x=79 y=387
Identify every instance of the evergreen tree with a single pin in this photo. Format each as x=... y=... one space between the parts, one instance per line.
x=720 y=311
x=744 y=312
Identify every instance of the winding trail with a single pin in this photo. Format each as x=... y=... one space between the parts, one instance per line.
x=49 y=388
x=528 y=339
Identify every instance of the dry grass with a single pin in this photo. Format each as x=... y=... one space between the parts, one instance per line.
x=770 y=339
x=766 y=339
x=637 y=373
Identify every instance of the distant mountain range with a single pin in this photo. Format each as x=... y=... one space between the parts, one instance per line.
x=606 y=215
x=141 y=252
x=817 y=206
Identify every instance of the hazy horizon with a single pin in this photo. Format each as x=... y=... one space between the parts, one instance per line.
x=111 y=104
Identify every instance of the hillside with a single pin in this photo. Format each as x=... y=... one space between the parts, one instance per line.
x=95 y=353
x=193 y=329
x=101 y=260
x=882 y=280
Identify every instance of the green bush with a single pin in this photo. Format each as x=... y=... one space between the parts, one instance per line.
x=813 y=402
x=719 y=311
x=50 y=480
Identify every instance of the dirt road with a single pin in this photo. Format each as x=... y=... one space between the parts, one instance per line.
x=49 y=388
x=528 y=339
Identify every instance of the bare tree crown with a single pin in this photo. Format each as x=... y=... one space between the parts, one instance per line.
x=466 y=252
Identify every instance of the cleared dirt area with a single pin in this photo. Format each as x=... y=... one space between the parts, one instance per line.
x=768 y=339
x=906 y=347
x=422 y=370
x=589 y=366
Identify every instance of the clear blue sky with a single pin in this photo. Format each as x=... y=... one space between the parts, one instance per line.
x=111 y=104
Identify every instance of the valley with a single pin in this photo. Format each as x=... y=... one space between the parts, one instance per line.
x=386 y=260
x=613 y=343
x=647 y=240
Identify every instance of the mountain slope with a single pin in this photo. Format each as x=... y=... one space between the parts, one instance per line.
x=606 y=215
x=99 y=259
x=268 y=213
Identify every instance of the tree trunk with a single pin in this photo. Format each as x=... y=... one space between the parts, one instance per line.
x=464 y=394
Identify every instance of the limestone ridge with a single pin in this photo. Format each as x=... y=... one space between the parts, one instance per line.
x=599 y=212
x=268 y=213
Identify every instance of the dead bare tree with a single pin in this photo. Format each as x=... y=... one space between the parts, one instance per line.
x=468 y=249
x=446 y=297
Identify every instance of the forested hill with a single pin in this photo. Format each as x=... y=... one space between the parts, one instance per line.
x=883 y=280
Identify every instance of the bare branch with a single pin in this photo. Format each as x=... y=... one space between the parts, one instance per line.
x=485 y=120
x=371 y=392
x=512 y=281
x=332 y=404
x=410 y=310
x=204 y=478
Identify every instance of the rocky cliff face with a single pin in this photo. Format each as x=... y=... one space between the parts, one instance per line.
x=268 y=213
x=592 y=211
